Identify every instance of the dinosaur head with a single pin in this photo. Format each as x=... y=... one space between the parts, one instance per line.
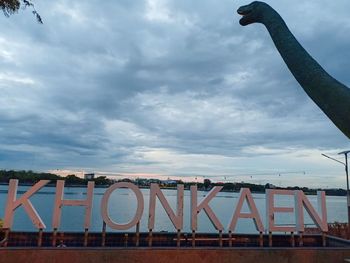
x=252 y=13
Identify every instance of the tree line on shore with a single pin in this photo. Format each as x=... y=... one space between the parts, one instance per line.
x=30 y=177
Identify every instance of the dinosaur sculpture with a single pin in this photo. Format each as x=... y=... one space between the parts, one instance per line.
x=329 y=94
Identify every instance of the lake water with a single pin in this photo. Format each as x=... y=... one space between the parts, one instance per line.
x=122 y=207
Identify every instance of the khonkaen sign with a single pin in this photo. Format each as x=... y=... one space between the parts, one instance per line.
x=301 y=202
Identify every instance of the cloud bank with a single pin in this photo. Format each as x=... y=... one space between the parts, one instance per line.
x=172 y=88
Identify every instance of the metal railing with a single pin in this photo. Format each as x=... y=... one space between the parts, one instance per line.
x=158 y=239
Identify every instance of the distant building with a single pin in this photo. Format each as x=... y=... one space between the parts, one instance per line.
x=169 y=182
x=270 y=186
x=90 y=176
x=65 y=173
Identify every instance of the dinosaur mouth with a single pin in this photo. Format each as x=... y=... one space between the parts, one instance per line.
x=243 y=12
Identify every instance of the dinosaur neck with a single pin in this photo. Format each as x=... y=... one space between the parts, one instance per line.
x=329 y=94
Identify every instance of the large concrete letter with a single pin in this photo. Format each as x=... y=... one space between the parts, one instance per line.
x=59 y=202
x=303 y=201
x=104 y=206
x=195 y=208
x=271 y=210
x=13 y=204
x=177 y=220
x=245 y=194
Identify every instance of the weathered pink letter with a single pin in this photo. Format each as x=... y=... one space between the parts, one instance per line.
x=302 y=201
x=104 y=206
x=59 y=202
x=271 y=210
x=177 y=220
x=13 y=204
x=195 y=208
x=245 y=194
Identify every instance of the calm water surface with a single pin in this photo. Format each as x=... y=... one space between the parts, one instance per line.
x=122 y=206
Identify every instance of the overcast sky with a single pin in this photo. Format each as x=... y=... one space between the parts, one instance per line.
x=169 y=88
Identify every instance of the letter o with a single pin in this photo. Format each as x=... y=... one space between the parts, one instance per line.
x=104 y=206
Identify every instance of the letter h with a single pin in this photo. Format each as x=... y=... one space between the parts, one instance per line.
x=59 y=202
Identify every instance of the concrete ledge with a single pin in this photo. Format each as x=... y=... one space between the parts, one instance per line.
x=169 y=255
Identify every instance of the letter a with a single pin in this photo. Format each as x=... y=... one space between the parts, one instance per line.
x=245 y=194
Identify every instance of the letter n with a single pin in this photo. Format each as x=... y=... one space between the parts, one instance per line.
x=177 y=220
x=303 y=201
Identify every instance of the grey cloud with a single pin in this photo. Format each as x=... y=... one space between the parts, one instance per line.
x=103 y=83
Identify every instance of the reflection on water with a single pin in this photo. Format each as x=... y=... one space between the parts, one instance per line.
x=122 y=207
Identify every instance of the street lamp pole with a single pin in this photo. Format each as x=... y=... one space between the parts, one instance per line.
x=347 y=179
x=347 y=183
